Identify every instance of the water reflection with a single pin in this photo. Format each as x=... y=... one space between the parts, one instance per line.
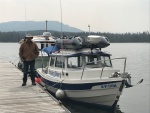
x=77 y=107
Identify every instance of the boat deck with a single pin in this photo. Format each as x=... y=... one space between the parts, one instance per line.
x=28 y=99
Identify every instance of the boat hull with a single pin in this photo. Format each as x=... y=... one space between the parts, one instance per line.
x=98 y=93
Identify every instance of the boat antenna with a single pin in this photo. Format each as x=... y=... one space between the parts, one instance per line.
x=61 y=35
x=46 y=25
x=61 y=18
x=89 y=28
x=25 y=20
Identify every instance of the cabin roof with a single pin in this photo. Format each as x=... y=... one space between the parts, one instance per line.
x=56 y=51
x=43 y=39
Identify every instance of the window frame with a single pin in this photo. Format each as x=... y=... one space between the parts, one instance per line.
x=79 y=62
x=60 y=62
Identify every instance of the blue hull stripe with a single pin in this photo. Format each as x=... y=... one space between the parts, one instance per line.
x=83 y=86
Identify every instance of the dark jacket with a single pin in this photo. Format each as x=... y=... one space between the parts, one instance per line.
x=28 y=51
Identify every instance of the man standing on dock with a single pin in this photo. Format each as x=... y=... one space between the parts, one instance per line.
x=28 y=52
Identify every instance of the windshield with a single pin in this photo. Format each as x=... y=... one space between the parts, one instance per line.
x=105 y=61
x=74 y=62
x=97 y=61
x=60 y=62
x=57 y=62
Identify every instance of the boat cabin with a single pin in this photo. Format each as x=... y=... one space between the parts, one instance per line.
x=80 y=60
x=77 y=59
x=43 y=42
x=79 y=65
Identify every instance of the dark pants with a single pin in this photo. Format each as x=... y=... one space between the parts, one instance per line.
x=32 y=70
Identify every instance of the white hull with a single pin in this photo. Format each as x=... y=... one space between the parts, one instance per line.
x=95 y=95
x=105 y=100
x=98 y=97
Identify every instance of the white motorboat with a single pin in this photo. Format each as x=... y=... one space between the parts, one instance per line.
x=42 y=41
x=80 y=71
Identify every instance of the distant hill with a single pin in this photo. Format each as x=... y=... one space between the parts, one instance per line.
x=36 y=25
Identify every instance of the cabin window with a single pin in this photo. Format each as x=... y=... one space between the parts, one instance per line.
x=74 y=62
x=60 y=62
x=91 y=59
x=52 y=61
x=42 y=46
x=105 y=61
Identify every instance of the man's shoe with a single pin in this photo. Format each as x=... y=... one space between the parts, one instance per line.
x=23 y=84
x=33 y=83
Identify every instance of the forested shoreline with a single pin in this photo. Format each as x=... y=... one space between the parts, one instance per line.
x=113 y=37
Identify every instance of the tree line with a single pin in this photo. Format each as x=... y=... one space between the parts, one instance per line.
x=113 y=37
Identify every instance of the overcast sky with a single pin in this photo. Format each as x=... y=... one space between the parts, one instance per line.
x=116 y=16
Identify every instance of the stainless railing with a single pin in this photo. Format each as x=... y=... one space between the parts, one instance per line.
x=105 y=66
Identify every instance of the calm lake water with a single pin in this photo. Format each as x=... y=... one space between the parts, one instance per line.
x=132 y=100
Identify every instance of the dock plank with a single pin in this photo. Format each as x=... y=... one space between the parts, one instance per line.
x=28 y=99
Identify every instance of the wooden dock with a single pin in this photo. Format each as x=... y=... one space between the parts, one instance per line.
x=28 y=99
